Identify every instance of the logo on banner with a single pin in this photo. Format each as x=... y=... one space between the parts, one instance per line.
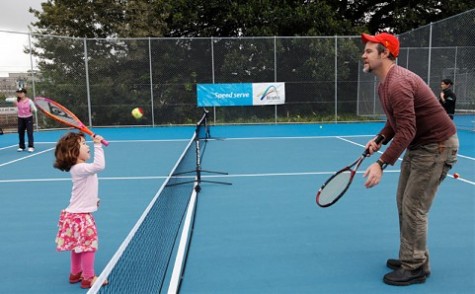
x=268 y=93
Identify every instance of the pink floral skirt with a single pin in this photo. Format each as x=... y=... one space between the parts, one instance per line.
x=76 y=231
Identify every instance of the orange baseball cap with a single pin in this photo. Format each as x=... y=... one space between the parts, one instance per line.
x=387 y=40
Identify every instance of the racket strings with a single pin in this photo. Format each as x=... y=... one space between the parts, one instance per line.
x=57 y=112
x=334 y=188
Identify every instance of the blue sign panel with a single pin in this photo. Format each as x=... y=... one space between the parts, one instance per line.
x=224 y=94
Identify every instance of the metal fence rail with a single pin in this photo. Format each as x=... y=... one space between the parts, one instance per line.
x=102 y=80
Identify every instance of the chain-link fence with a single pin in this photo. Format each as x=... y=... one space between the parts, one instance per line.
x=102 y=80
x=442 y=50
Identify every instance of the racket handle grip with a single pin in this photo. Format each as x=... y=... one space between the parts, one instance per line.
x=378 y=140
x=105 y=142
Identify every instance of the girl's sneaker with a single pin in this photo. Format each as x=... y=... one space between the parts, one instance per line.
x=75 y=278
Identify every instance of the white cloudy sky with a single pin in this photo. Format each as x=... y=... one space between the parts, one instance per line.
x=14 y=16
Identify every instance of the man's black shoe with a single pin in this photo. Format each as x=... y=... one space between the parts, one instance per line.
x=395 y=264
x=402 y=277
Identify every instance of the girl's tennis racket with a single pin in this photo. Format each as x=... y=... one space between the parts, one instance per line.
x=336 y=186
x=63 y=115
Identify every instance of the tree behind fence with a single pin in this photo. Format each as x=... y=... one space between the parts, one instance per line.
x=102 y=80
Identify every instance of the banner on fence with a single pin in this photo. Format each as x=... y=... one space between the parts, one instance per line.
x=244 y=94
x=8 y=110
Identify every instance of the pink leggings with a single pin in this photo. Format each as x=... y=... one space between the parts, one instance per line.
x=83 y=262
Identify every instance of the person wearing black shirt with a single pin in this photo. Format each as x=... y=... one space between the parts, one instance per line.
x=447 y=97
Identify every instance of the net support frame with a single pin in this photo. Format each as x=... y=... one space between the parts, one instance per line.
x=202 y=123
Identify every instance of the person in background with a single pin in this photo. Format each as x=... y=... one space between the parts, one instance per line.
x=417 y=124
x=77 y=230
x=447 y=97
x=26 y=108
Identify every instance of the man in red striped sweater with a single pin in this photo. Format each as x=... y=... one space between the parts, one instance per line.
x=417 y=124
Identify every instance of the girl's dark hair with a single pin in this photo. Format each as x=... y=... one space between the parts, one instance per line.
x=20 y=90
x=67 y=151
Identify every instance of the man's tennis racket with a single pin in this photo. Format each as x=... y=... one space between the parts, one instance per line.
x=63 y=115
x=336 y=186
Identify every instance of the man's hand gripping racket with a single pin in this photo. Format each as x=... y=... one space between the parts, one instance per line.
x=63 y=115
x=336 y=186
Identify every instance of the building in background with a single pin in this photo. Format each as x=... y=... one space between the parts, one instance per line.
x=8 y=87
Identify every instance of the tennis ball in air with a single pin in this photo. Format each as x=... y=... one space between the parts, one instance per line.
x=456 y=175
x=137 y=112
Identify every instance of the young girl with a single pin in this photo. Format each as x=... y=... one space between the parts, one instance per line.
x=26 y=107
x=77 y=229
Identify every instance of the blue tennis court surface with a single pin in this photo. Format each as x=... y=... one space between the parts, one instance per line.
x=262 y=234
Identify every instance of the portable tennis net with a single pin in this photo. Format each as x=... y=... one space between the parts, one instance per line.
x=143 y=261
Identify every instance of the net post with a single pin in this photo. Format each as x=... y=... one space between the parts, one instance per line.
x=202 y=133
x=203 y=123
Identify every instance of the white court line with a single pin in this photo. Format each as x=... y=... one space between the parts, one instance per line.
x=149 y=141
x=25 y=157
x=184 y=177
x=352 y=142
x=284 y=174
x=8 y=147
x=311 y=173
x=100 y=178
x=231 y=175
x=44 y=151
x=466 y=157
x=464 y=180
x=320 y=137
x=285 y=138
x=449 y=175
